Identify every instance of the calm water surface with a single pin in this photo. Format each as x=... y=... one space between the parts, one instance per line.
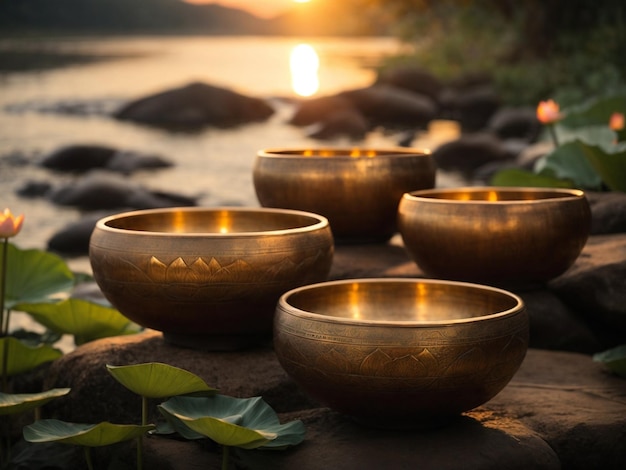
x=214 y=164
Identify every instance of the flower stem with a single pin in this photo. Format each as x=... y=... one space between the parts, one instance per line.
x=3 y=281
x=552 y=131
x=88 y=458
x=225 y=455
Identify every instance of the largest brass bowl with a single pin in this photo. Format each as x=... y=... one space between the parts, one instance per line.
x=208 y=278
x=400 y=352
x=495 y=234
x=358 y=190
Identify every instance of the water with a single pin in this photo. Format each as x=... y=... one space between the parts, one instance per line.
x=215 y=164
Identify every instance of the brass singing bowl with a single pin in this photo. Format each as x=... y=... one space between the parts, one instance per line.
x=494 y=234
x=208 y=278
x=400 y=353
x=358 y=190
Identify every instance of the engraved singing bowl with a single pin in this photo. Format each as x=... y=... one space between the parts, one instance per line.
x=358 y=190
x=208 y=278
x=400 y=353
x=496 y=235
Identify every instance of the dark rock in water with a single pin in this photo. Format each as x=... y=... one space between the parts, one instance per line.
x=412 y=78
x=196 y=105
x=105 y=191
x=82 y=158
x=609 y=212
x=34 y=189
x=314 y=110
x=392 y=106
x=348 y=123
x=475 y=107
x=470 y=152
x=519 y=123
x=73 y=239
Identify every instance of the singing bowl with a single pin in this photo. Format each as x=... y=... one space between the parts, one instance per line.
x=358 y=190
x=496 y=235
x=400 y=353
x=208 y=278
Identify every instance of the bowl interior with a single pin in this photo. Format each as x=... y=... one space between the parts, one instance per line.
x=402 y=302
x=496 y=194
x=207 y=221
x=340 y=152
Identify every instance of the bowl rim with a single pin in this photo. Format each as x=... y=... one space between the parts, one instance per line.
x=287 y=307
x=318 y=222
x=423 y=195
x=291 y=153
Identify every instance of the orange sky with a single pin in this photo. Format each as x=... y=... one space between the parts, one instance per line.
x=262 y=8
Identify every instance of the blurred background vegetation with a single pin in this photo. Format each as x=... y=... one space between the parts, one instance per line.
x=568 y=50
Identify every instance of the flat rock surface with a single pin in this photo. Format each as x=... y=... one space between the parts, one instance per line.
x=561 y=410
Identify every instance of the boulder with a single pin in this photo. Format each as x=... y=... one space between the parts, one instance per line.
x=196 y=105
x=388 y=105
x=595 y=286
x=73 y=239
x=518 y=123
x=476 y=106
x=83 y=158
x=315 y=110
x=412 y=78
x=347 y=123
x=608 y=211
x=470 y=152
x=96 y=191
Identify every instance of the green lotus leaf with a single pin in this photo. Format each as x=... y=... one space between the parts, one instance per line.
x=614 y=359
x=568 y=162
x=11 y=403
x=34 y=275
x=595 y=112
x=157 y=380
x=241 y=422
x=516 y=177
x=22 y=358
x=611 y=166
x=85 y=320
x=88 y=435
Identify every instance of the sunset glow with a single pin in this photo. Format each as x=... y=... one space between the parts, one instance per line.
x=304 y=64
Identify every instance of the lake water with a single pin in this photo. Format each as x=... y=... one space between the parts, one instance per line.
x=215 y=164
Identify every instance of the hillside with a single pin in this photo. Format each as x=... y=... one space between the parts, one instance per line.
x=176 y=17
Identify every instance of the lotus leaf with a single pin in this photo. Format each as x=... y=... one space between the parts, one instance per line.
x=247 y=423
x=22 y=402
x=87 y=321
x=614 y=359
x=22 y=358
x=88 y=435
x=35 y=275
x=157 y=380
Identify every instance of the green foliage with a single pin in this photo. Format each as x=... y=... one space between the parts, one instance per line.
x=157 y=380
x=614 y=359
x=87 y=321
x=247 y=423
x=88 y=435
x=34 y=275
x=12 y=403
x=20 y=358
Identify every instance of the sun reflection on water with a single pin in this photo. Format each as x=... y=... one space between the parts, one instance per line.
x=304 y=64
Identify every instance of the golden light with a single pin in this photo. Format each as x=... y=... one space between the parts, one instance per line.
x=304 y=64
x=301 y=1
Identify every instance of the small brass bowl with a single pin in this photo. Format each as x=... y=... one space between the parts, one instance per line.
x=358 y=190
x=208 y=278
x=497 y=235
x=400 y=353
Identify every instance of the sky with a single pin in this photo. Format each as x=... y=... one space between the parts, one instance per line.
x=261 y=8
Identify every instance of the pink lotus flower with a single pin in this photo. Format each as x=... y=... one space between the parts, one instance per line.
x=10 y=225
x=616 y=122
x=548 y=112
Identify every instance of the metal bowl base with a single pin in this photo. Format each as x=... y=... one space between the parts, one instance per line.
x=216 y=342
